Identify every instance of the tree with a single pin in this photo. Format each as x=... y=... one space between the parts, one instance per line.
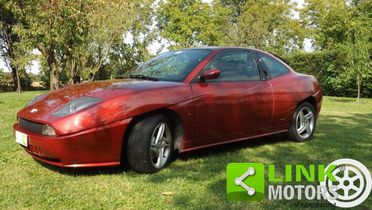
x=268 y=25
x=8 y=40
x=126 y=56
x=109 y=21
x=358 y=45
x=74 y=36
x=192 y=23
x=48 y=26
x=327 y=21
x=236 y=8
x=345 y=26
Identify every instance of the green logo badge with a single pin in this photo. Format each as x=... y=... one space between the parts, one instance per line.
x=245 y=181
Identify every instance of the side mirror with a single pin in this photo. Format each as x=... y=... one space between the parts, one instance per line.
x=210 y=74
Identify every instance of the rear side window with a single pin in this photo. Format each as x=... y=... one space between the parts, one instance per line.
x=275 y=67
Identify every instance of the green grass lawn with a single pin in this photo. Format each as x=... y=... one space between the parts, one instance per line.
x=194 y=180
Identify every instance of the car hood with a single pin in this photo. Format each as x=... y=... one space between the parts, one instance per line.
x=108 y=89
x=116 y=95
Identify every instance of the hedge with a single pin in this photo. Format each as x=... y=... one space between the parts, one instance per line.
x=328 y=67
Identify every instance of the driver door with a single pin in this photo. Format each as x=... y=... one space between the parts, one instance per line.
x=235 y=105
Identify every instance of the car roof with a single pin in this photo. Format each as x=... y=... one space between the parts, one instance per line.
x=218 y=48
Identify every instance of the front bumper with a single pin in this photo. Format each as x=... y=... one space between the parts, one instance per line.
x=101 y=146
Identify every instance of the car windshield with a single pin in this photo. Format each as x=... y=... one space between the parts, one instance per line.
x=170 y=66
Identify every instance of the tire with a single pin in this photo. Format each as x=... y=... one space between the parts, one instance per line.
x=303 y=125
x=144 y=147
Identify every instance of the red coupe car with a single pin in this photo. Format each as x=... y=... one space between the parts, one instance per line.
x=180 y=100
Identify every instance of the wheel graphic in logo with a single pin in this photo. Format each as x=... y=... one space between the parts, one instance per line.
x=353 y=183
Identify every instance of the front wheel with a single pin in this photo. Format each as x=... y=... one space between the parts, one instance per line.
x=303 y=123
x=150 y=144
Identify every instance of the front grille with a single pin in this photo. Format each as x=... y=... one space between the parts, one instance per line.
x=31 y=126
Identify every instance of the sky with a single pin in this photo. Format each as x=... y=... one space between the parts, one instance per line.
x=153 y=48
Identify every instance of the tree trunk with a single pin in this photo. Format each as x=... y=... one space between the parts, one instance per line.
x=52 y=67
x=15 y=77
x=18 y=82
x=358 y=83
x=73 y=72
x=54 y=79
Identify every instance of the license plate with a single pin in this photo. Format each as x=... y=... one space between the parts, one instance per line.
x=21 y=138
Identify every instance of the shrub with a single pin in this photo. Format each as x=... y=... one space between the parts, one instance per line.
x=329 y=68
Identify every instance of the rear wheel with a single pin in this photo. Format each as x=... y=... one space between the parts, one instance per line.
x=150 y=144
x=303 y=123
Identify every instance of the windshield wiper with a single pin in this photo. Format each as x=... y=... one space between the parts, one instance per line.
x=138 y=76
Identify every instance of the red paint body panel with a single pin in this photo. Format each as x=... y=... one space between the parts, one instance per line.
x=121 y=99
x=94 y=147
x=211 y=113
x=230 y=110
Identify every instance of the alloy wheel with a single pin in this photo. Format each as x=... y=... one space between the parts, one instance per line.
x=160 y=147
x=305 y=122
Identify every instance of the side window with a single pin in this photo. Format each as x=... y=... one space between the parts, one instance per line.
x=275 y=67
x=235 y=66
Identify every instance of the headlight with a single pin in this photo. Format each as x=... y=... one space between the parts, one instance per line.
x=48 y=130
x=36 y=99
x=76 y=105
